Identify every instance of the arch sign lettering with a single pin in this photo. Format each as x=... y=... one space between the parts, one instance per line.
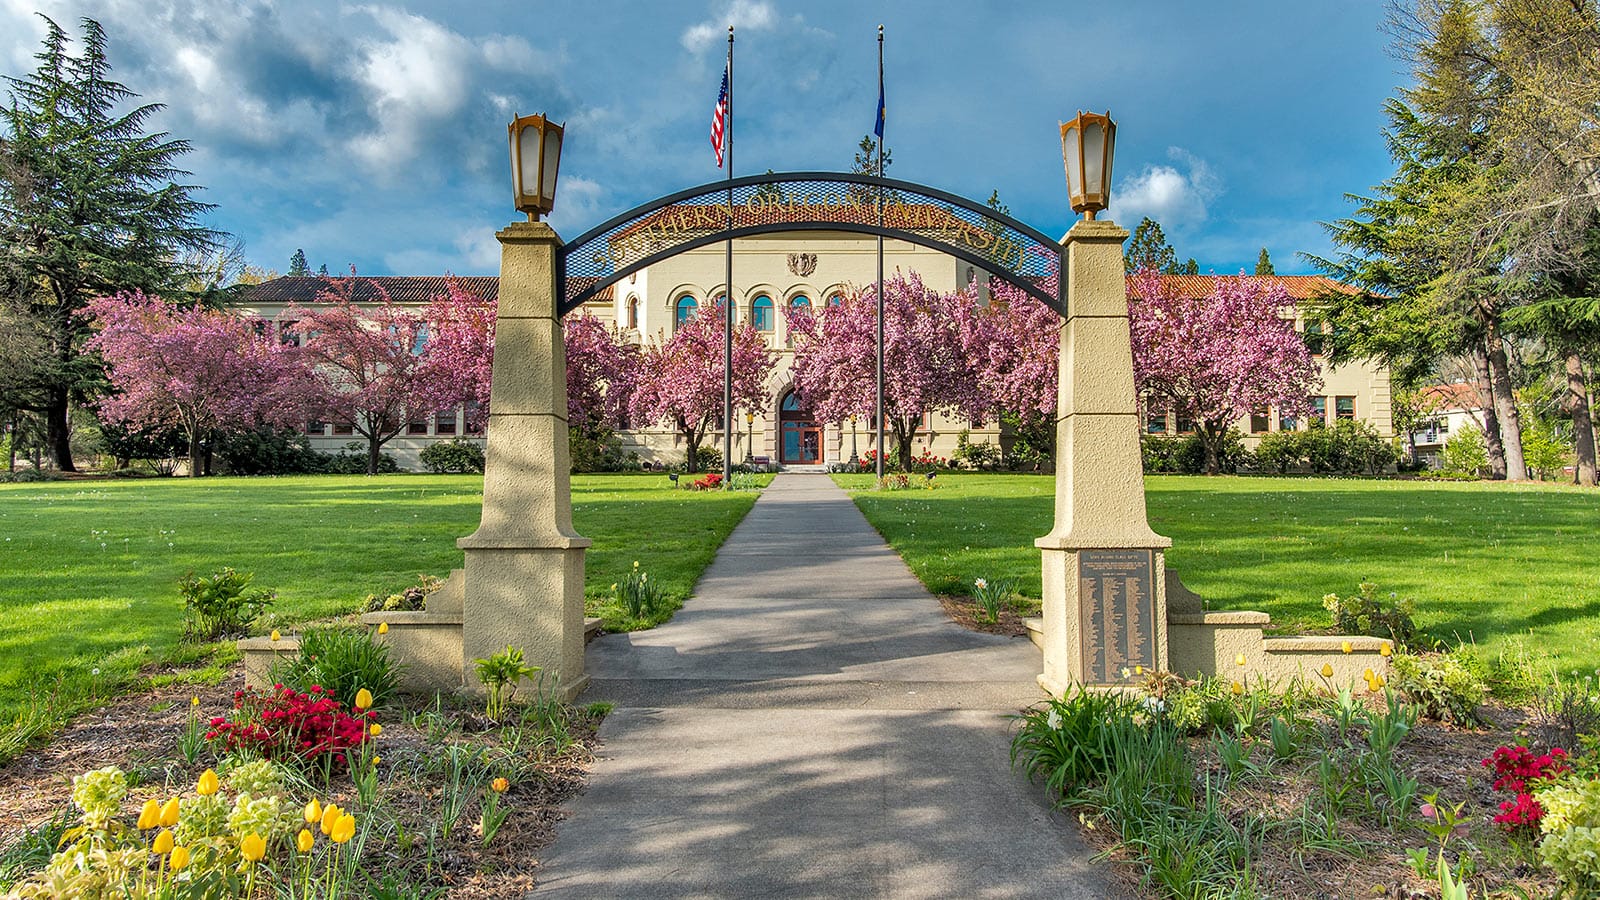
x=811 y=201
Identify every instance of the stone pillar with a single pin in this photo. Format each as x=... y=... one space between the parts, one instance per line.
x=1104 y=594
x=524 y=564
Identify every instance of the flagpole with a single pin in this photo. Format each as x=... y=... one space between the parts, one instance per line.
x=880 y=403
x=727 y=312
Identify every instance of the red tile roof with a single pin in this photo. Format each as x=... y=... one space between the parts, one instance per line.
x=417 y=289
x=1298 y=287
x=1460 y=395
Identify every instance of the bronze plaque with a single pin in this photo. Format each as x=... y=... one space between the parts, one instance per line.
x=1117 y=600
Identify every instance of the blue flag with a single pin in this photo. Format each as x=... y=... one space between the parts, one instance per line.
x=877 y=128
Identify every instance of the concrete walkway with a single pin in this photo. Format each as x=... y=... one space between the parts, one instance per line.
x=811 y=724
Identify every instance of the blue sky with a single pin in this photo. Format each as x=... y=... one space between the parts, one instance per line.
x=374 y=134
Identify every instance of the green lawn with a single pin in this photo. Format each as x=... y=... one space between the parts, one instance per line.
x=90 y=568
x=1495 y=563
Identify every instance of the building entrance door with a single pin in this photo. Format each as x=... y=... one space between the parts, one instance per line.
x=800 y=438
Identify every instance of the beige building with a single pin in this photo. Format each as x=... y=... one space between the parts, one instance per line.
x=771 y=274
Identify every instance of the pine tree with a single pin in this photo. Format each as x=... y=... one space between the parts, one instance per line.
x=1190 y=268
x=1149 y=249
x=90 y=205
x=298 y=268
x=866 y=161
x=1264 y=263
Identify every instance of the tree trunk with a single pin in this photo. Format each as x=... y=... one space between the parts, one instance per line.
x=1505 y=405
x=1210 y=440
x=1491 y=421
x=691 y=437
x=903 y=430
x=1582 y=422
x=196 y=463
x=58 y=430
x=11 y=445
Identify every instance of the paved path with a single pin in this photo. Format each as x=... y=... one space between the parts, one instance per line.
x=811 y=724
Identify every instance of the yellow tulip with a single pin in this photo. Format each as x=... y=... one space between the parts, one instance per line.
x=1138 y=670
x=194 y=701
x=1238 y=689
x=1385 y=650
x=1327 y=670
x=383 y=627
x=169 y=813
x=330 y=815
x=305 y=840
x=208 y=784
x=636 y=564
x=344 y=829
x=1366 y=675
x=163 y=842
x=363 y=699
x=376 y=729
x=150 y=816
x=1344 y=647
x=1378 y=680
x=376 y=760
x=1373 y=685
x=313 y=812
x=1239 y=660
x=252 y=847
x=180 y=858
x=275 y=635
x=500 y=785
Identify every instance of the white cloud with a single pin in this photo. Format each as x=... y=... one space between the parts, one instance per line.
x=1176 y=195
x=754 y=15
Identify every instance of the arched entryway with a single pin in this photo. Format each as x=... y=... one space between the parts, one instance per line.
x=799 y=435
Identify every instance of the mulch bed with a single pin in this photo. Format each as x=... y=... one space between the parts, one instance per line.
x=965 y=611
x=140 y=733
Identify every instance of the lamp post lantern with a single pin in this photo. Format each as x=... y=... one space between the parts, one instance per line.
x=750 y=436
x=1087 y=145
x=535 y=159
x=853 y=457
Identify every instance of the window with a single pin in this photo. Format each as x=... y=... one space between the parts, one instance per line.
x=1287 y=423
x=1444 y=425
x=416 y=428
x=1319 y=410
x=445 y=423
x=836 y=300
x=1344 y=407
x=1314 y=339
x=1185 y=423
x=1260 y=421
x=343 y=429
x=800 y=301
x=1155 y=422
x=420 y=341
x=685 y=310
x=474 y=426
x=761 y=313
x=316 y=428
x=633 y=312
x=287 y=335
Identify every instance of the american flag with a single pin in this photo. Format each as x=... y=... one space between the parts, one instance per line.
x=719 y=118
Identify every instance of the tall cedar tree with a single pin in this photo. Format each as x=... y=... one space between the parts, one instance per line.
x=1149 y=249
x=90 y=205
x=1264 y=264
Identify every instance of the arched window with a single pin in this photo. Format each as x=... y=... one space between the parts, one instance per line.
x=761 y=313
x=800 y=301
x=686 y=309
x=836 y=300
x=633 y=312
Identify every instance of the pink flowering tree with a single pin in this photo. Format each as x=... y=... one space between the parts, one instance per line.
x=198 y=369
x=1216 y=359
x=926 y=364
x=460 y=346
x=1014 y=344
x=602 y=371
x=371 y=363
x=680 y=379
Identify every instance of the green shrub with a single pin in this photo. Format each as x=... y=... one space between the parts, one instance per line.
x=219 y=606
x=1068 y=743
x=599 y=450
x=500 y=674
x=1567 y=709
x=268 y=451
x=983 y=456
x=343 y=661
x=409 y=600
x=1366 y=613
x=1466 y=453
x=708 y=459
x=457 y=457
x=1441 y=686
x=355 y=461
x=1186 y=454
x=1571 y=827
x=1280 y=451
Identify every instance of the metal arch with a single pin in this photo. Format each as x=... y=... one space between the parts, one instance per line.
x=1039 y=260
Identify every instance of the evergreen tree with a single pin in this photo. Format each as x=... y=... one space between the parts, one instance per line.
x=1264 y=263
x=866 y=161
x=89 y=206
x=298 y=268
x=322 y=271
x=1149 y=249
x=1190 y=268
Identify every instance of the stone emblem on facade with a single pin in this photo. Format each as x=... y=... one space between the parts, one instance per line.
x=802 y=264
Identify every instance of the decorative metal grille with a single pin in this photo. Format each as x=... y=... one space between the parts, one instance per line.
x=811 y=201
